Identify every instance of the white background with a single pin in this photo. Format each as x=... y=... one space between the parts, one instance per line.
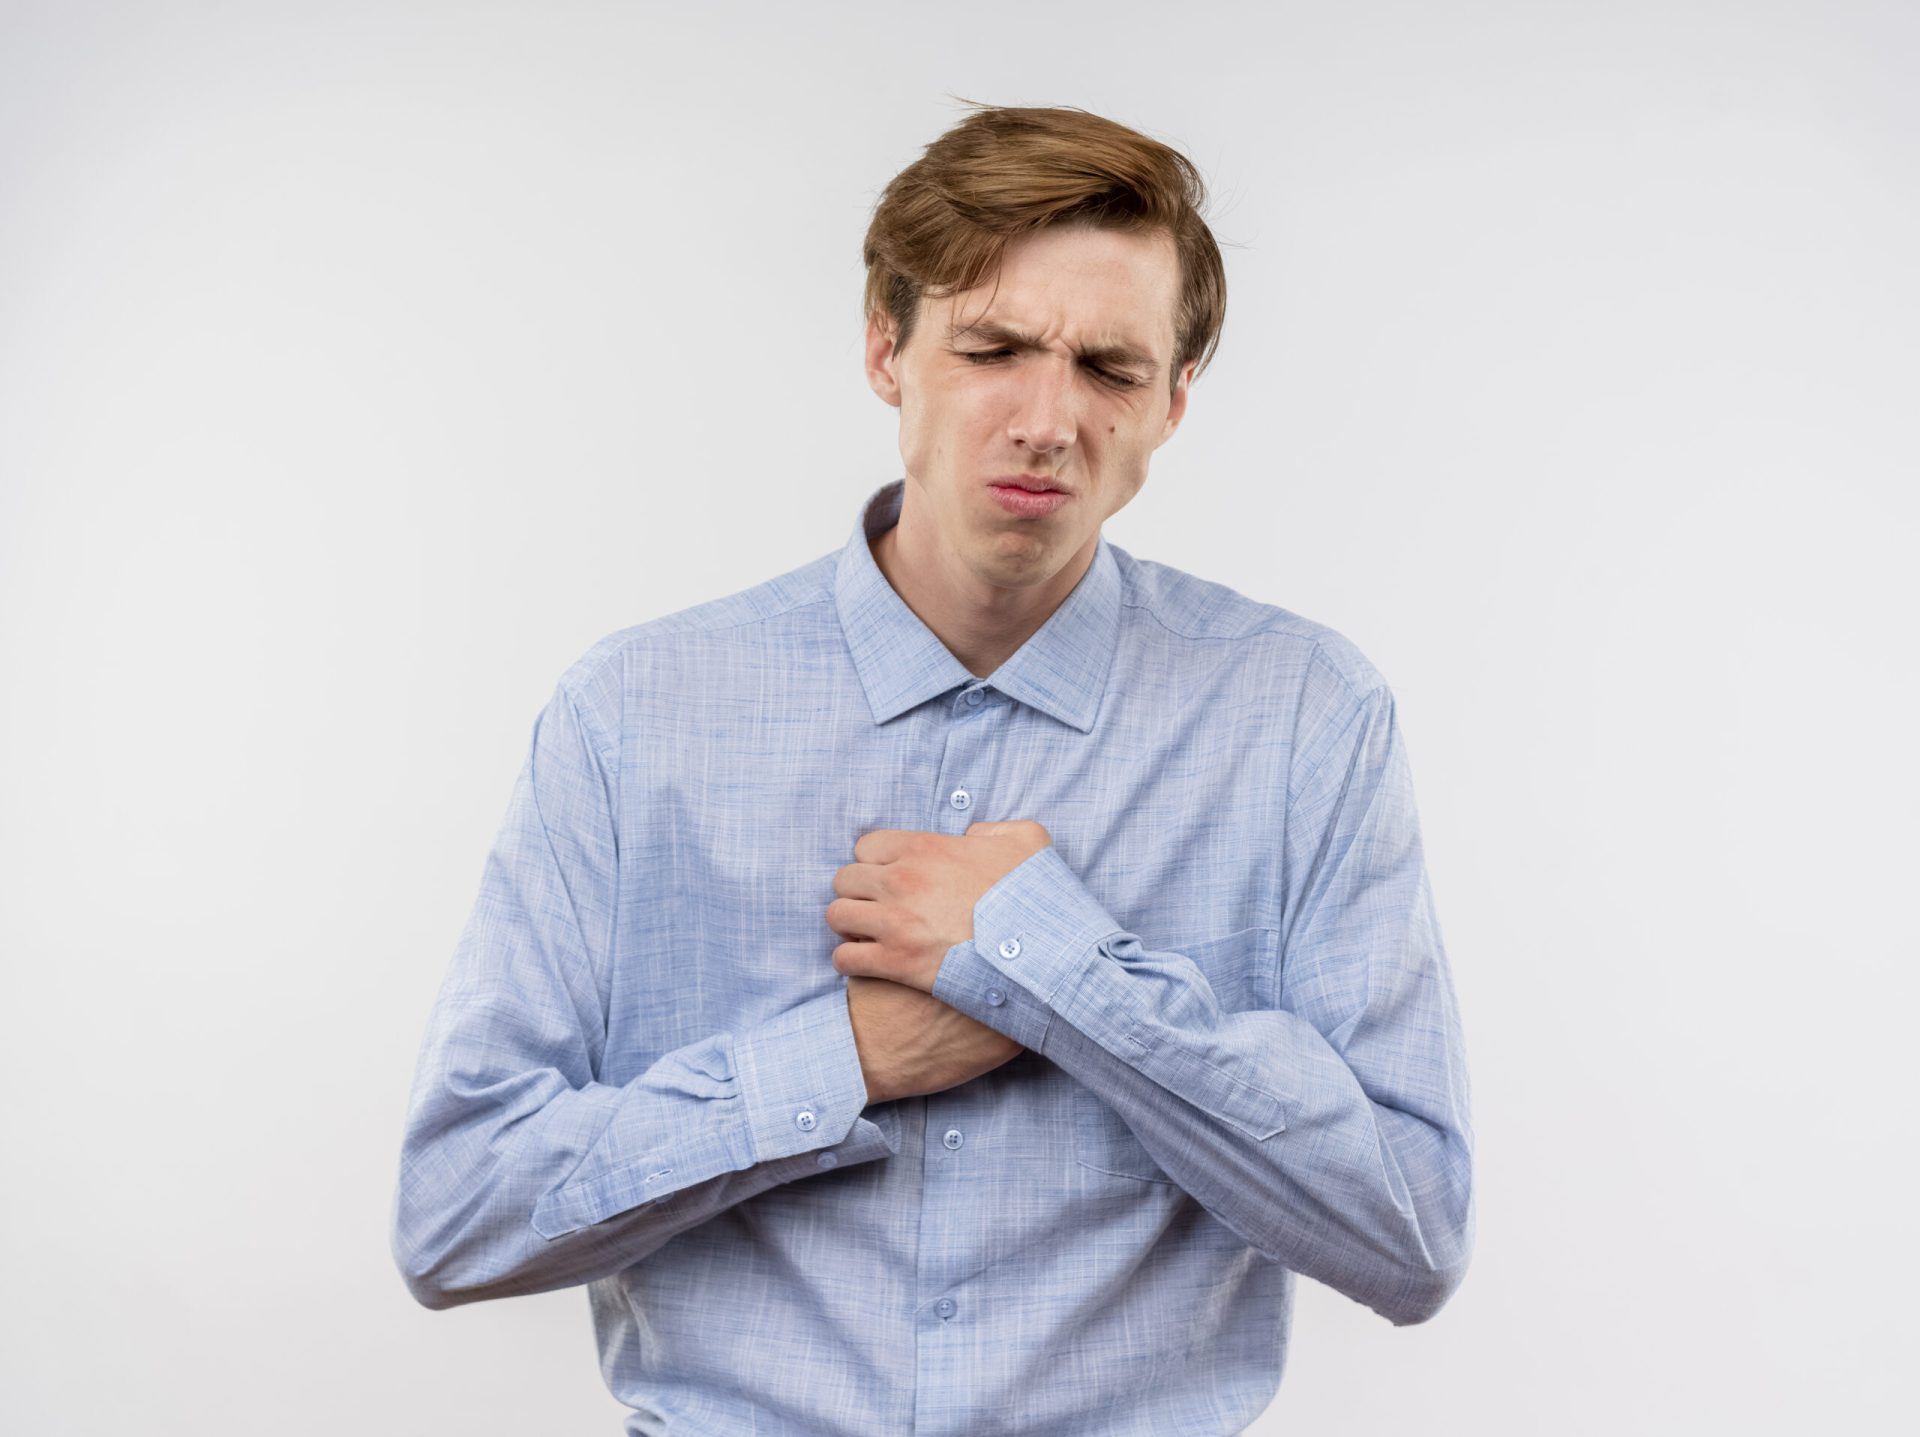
x=360 y=364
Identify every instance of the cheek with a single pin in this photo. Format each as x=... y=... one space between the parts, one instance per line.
x=1124 y=457
x=911 y=444
x=923 y=435
x=957 y=424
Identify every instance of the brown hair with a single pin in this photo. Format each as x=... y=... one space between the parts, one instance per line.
x=941 y=223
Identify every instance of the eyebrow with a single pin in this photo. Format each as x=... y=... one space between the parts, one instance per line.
x=990 y=332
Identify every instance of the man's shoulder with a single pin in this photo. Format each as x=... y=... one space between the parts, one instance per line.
x=799 y=588
x=1206 y=609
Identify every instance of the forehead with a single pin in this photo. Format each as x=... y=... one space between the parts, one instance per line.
x=1088 y=287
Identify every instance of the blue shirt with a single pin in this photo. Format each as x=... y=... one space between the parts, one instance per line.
x=1242 y=1053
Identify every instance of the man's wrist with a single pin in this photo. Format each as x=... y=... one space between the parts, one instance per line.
x=877 y=1091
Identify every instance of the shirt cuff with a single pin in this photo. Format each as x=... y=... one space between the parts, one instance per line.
x=801 y=1079
x=872 y=1137
x=1035 y=934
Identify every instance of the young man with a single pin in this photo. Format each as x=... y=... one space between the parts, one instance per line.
x=956 y=985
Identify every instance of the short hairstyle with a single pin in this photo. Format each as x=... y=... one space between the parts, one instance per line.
x=940 y=225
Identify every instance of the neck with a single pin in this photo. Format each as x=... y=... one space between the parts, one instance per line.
x=982 y=624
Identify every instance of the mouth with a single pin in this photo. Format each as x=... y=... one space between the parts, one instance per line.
x=1015 y=497
x=1031 y=483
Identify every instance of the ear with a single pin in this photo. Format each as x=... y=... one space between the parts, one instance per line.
x=883 y=360
x=1177 y=409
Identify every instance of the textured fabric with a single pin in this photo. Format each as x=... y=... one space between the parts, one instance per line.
x=1242 y=1055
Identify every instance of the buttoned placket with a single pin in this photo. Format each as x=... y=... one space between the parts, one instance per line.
x=951 y=1131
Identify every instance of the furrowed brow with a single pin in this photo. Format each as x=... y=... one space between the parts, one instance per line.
x=987 y=331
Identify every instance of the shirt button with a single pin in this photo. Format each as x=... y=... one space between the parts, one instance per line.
x=952 y=1138
x=973 y=696
x=828 y=1160
x=944 y=1307
x=960 y=798
x=1009 y=947
x=996 y=997
x=805 y=1119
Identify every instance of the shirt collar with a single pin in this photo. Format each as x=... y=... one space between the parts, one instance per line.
x=1061 y=669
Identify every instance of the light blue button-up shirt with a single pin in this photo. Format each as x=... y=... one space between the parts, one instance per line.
x=1242 y=1057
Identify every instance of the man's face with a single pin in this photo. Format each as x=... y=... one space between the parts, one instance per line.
x=1058 y=377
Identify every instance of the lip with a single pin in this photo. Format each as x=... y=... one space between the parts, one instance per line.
x=1032 y=483
x=1027 y=503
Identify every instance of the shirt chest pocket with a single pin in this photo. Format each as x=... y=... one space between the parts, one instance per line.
x=1236 y=967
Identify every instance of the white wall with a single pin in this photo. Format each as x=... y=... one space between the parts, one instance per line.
x=362 y=363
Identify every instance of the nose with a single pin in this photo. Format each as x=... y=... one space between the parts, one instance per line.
x=1043 y=418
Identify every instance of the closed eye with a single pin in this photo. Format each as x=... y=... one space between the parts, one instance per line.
x=988 y=356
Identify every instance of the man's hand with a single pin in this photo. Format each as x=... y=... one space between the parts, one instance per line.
x=908 y=897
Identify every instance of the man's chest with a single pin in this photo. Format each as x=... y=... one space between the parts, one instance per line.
x=735 y=818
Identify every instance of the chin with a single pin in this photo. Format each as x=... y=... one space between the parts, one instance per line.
x=1028 y=559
